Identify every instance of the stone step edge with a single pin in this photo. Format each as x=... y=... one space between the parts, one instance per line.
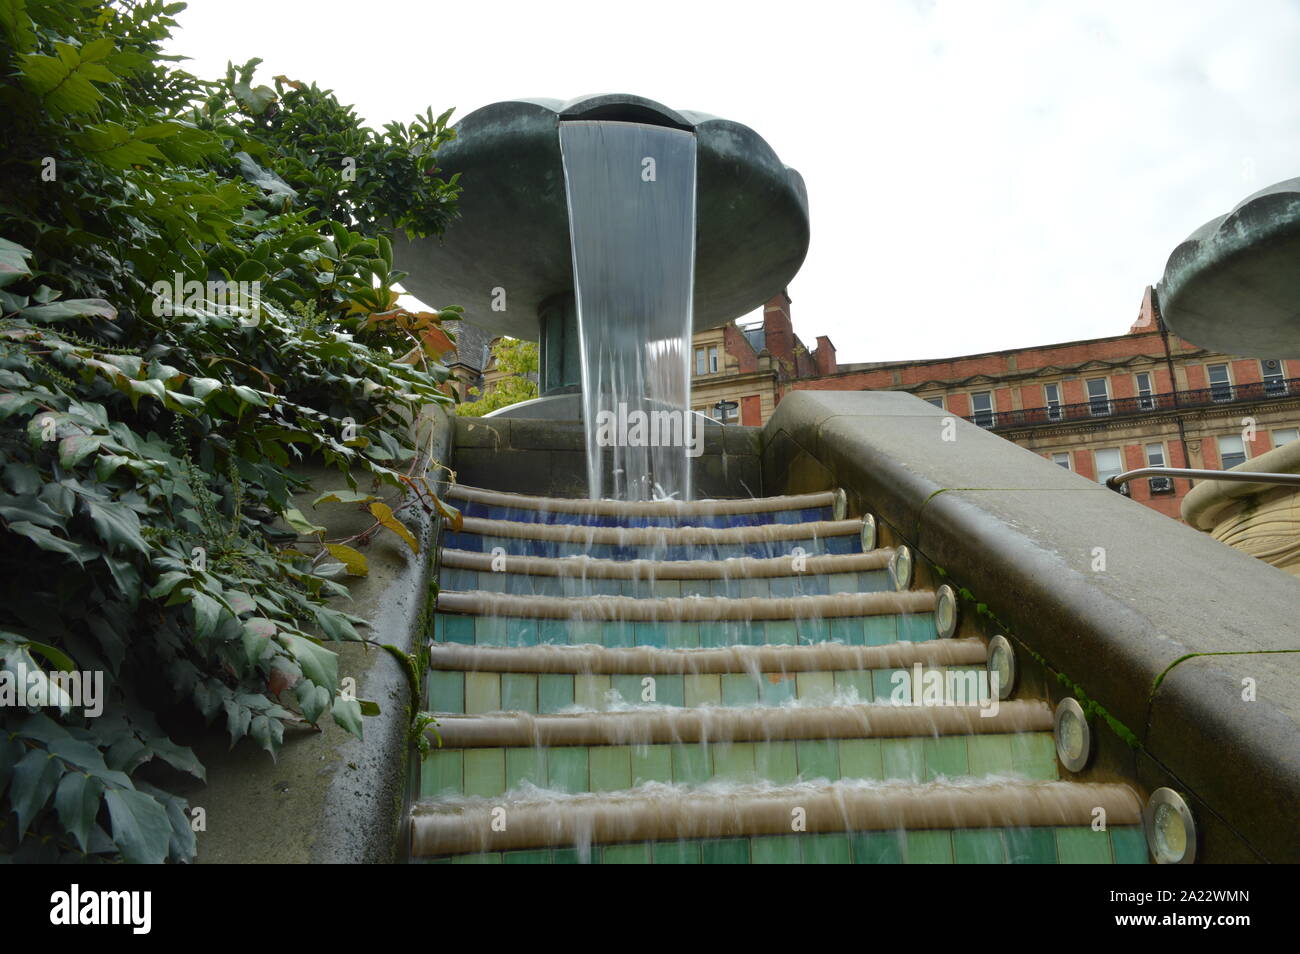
x=740 y=724
x=735 y=568
x=651 y=508
x=660 y=536
x=652 y=661
x=685 y=608
x=438 y=829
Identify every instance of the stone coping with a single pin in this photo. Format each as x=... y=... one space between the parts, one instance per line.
x=1156 y=622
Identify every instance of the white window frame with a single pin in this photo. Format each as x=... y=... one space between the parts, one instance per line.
x=991 y=414
x=1068 y=463
x=1053 y=403
x=1294 y=433
x=1096 y=463
x=1245 y=450
x=1095 y=402
x=1146 y=397
x=1226 y=388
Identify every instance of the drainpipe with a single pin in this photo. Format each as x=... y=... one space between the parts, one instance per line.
x=1173 y=380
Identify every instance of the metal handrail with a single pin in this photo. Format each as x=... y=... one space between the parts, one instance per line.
x=1243 y=476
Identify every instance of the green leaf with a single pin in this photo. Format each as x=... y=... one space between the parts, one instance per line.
x=13 y=262
x=77 y=802
x=343 y=496
x=256 y=632
x=73 y=308
x=319 y=664
x=354 y=561
x=56 y=657
x=76 y=448
x=48 y=541
x=34 y=779
x=141 y=829
x=295 y=519
x=313 y=699
x=117 y=525
x=207 y=613
x=347 y=713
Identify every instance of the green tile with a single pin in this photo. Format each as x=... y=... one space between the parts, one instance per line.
x=825 y=849
x=775 y=850
x=775 y=688
x=1082 y=846
x=454 y=628
x=542 y=857
x=611 y=767
x=714 y=635
x=929 y=847
x=891 y=685
x=554 y=692
x=978 y=846
x=638 y=854
x=650 y=634
x=946 y=756
x=490 y=630
x=734 y=760
x=811 y=631
x=777 y=762
x=446 y=691
x=1031 y=846
x=874 y=581
x=670 y=689
x=725 y=851
x=842 y=583
x=584 y=632
x=877 y=848
x=916 y=627
x=566 y=856
x=652 y=763
x=754 y=589
x=589 y=690
x=816 y=687
x=739 y=689
x=858 y=681
x=819 y=758
x=519 y=691
x=847 y=630
x=666 y=589
x=681 y=635
x=484 y=858
x=691 y=763
x=677 y=852
x=485 y=772
x=554 y=631
x=781 y=632
x=442 y=772
x=880 y=630
x=903 y=758
x=702 y=689
x=1129 y=845
x=1033 y=754
x=861 y=758
x=525 y=765
x=482 y=692
x=619 y=634
x=566 y=768
x=990 y=755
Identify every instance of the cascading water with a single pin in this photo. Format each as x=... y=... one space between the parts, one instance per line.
x=631 y=200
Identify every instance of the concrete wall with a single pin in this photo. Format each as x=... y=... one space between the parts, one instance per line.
x=1190 y=647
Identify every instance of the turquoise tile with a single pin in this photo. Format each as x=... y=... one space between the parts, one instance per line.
x=916 y=627
x=842 y=582
x=682 y=635
x=812 y=631
x=858 y=681
x=1031 y=846
x=825 y=849
x=454 y=628
x=651 y=634
x=739 y=689
x=776 y=688
x=781 y=632
x=554 y=691
x=619 y=634
x=566 y=768
x=446 y=691
x=542 y=857
x=519 y=692
x=890 y=685
x=775 y=850
x=929 y=847
x=725 y=851
x=819 y=759
x=877 y=848
x=1082 y=846
x=880 y=630
x=585 y=632
x=978 y=846
x=1129 y=845
x=553 y=631
x=638 y=854
x=847 y=629
x=670 y=689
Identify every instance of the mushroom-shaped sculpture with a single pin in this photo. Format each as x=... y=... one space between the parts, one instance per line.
x=1234 y=284
x=507 y=258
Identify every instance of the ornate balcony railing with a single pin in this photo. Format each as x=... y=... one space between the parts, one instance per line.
x=1103 y=408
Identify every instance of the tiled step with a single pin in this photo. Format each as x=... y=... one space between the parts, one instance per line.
x=1079 y=844
x=489 y=772
x=578 y=576
x=652 y=813
x=676 y=543
x=494 y=505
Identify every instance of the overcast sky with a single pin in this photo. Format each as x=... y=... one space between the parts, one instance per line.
x=981 y=175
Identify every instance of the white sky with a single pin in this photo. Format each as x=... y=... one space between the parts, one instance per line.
x=981 y=175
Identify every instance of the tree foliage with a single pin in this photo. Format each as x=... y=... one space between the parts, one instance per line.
x=151 y=419
x=516 y=359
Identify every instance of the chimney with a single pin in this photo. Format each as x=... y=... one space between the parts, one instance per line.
x=778 y=331
x=824 y=356
x=1147 y=314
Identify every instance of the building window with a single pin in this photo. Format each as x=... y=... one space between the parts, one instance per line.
x=981 y=404
x=1274 y=377
x=1232 y=451
x=1155 y=455
x=1052 y=393
x=1145 y=398
x=1220 y=382
x=1098 y=397
x=1062 y=459
x=1109 y=462
x=713 y=361
x=731 y=414
x=1286 y=436
x=701 y=361
x=937 y=402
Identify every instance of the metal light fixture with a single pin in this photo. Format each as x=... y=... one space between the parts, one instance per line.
x=840 y=508
x=945 y=611
x=868 y=533
x=900 y=568
x=1002 y=663
x=1073 y=736
x=1170 y=828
